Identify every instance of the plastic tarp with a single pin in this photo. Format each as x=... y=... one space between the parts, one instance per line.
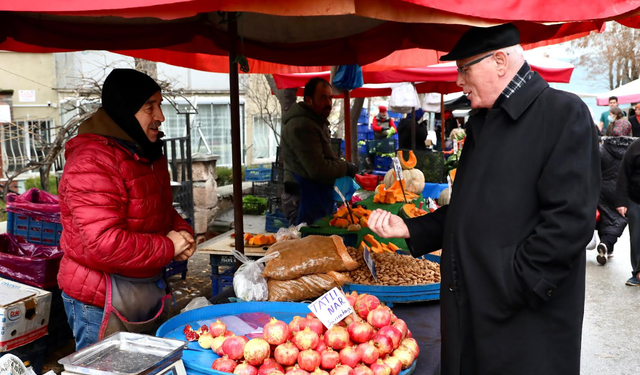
x=29 y=263
x=36 y=204
x=629 y=93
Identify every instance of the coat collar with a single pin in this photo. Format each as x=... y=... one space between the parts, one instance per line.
x=517 y=103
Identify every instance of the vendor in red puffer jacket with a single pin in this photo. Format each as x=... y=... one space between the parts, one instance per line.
x=115 y=201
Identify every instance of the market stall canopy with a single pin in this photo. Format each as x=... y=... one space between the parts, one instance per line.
x=629 y=93
x=300 y=32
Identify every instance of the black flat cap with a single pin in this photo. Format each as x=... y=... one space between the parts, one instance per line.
x=482 y=39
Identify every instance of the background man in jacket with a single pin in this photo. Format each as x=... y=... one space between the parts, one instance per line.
x=383 y=125
x=310 y=165
x=522 y=211
x=115 y=201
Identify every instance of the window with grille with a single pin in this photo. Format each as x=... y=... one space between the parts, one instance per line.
x=23 y=141
x=265 y=141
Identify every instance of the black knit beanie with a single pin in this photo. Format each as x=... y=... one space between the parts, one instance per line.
x=123 y=94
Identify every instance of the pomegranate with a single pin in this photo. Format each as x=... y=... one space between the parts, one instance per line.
x=393 y=317
x=349 y=356
x=394 y=364
x=349 y=319
x=380 y=368
x=409 y=335
x=321 y=346
x=306 y=339
x=383 y=343
x=217 y=328
x=401 y=326
x=229 y=334
x=256 y=351
x=308 y=360
x=192 y=335
x=296 y=371
x=336 y=338
x=224 y=364
x=379 y=317
x=352 y=298
x=216 y=345
x=276 y=332
x=412 y=345
x=311 y=315
x=360 y=332
x=319 y=371
x=245 y=369
x=393 y=333
x=329 y=359
x=342 y=370
x=233 y=347
x=362 y=369
x=368 y=352
x=205 y=340
x=404 y=355
x=315 y=325
x=297 y=324
x=365 y=304
x=203 y=328
x=269 y=367
x=286 y=354
x=187 y=328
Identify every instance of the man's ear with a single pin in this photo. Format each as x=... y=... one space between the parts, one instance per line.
x=307 y=100
x=502 y=62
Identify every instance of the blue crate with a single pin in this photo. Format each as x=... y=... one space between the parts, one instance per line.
x=364 y=116
x=175 y=268
x=222 y=281
x=366 y=135
x=257 y=174
x=396 y=116
x=275 y=221
x=32 y=230
x=362 y=150
x=382 y=163
x=363 y=128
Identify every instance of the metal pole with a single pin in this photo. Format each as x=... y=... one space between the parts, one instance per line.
x=347 y=126
x=442 y=122
x=234 y=89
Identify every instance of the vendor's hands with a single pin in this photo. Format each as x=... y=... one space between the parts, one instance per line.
x=180 y=244
x=391 y=132
x=387 y=225
x=190 y=250
x=622 y=211
x=352 y=169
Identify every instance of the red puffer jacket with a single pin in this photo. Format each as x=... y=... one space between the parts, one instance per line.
x=116 y=209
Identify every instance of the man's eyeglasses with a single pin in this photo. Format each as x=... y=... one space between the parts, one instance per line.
x=461 y=69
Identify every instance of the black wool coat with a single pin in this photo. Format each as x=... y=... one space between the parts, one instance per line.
x=611 y=153
x=514 y=236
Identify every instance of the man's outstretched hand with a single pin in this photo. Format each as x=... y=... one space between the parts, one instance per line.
x=387 y=225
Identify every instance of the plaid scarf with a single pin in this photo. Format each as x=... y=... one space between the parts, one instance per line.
x=520 y=79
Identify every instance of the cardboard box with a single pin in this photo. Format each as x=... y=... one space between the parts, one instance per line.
x=24 y=314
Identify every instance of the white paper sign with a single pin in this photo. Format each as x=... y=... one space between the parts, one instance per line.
x=332 y=307
x=27 y=96
x=368 y=259
x=397 y=168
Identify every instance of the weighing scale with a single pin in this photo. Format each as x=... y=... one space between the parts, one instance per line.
x=125 y=353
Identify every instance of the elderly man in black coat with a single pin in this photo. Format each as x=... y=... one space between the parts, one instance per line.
x=522 y=211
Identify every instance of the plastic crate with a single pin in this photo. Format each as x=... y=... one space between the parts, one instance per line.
x=32 y=354
x=32 y=230
x=364 y=116
x=363 y=128
x=267 y=189
x=382 y=146
x=274 y=204
x=222 y=281
x=254 y=208
x=275 y=221
x=277 y=173
x=175 y=268
x=366 y=135
x=257 y=174
x=382 y=163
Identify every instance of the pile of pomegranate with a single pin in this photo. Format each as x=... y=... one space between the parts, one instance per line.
x=371 y=342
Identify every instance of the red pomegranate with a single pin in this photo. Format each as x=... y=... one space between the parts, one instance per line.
x=315 y=325
x=311 y=315
x=233 y=347
x=368 y=352
x=224 y=364
x=342 y=370
x=256 y=351
x=393 y=333
x=380 y=368
x=276 y=332
x=362 y=369
x=352 y=298
x=349 y=356
x=394 y=364
x=336 y=338
x=360 y=332
x=296 y=371
x=409 y=335
x=404 y=355
x=412 y=344
x=216 y=345
x=383 y=343
x=306 y=339
x=329 y=359
x=365 y=304
x=379 y=317
x=297 y=324
x=269 y=367
x=319 y=371
x=217 y=328
x=401 y=326
x=308 y=360
x=229 y=334
x=321 y=346
x=286 y=354
x=349 y=319
x=245 y=369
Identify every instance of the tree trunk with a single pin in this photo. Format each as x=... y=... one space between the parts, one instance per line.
x=356 y=109
x=286 y=97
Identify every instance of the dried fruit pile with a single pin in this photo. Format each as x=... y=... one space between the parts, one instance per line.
x=371 y=342
x=394 y=269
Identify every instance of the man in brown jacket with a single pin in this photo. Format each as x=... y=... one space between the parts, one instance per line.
x=311 y=167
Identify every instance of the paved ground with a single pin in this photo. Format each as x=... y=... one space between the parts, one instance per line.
x=611 y=337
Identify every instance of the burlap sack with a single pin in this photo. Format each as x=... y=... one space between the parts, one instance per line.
x=306 y=287
x=308 y=256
